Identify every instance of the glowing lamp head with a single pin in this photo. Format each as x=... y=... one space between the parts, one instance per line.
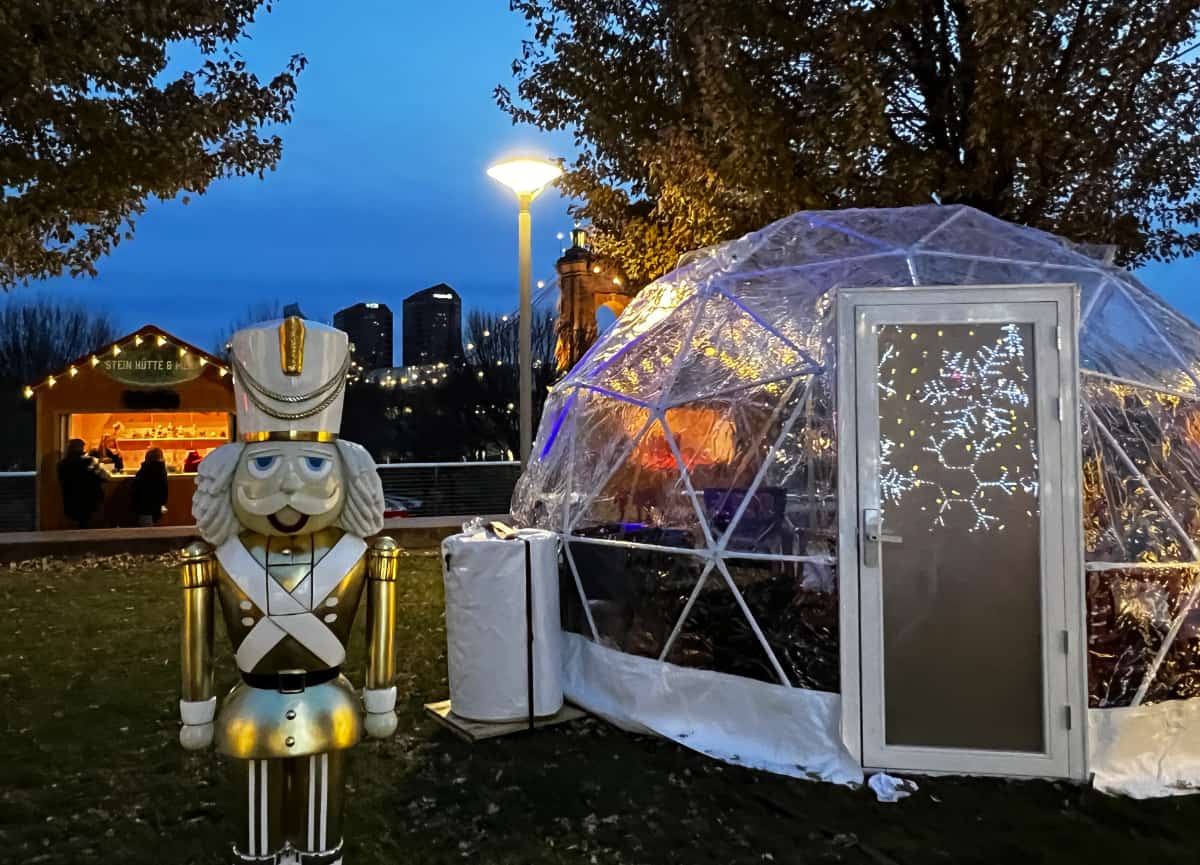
x=525 y=177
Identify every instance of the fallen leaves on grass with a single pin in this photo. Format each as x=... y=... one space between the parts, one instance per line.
x=88 y=691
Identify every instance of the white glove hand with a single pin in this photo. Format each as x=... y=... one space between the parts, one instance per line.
x=380 y=704
x=196 y=737
x=381 y=725
x=197 y=716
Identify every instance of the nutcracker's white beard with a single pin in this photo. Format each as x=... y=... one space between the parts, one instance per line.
x=301 y=502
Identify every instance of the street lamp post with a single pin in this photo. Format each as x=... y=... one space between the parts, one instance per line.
x=527 y=178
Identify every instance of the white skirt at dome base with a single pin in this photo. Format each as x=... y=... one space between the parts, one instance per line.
x=789 y=731
x=1146 y=751
x=1143 y=752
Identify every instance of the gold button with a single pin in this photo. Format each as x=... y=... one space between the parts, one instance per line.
x=289 y=741
x=247 y=622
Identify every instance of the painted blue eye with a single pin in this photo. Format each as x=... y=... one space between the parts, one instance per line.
x=262 y=466
x=317 y=467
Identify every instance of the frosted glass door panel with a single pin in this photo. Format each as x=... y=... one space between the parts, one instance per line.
x=960 y=558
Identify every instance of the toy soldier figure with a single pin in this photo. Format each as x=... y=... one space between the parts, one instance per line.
x=285 y=513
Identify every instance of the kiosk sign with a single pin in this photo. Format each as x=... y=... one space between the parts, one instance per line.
x=151 y=365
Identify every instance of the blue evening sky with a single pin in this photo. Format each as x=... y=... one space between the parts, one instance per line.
x=381 y=190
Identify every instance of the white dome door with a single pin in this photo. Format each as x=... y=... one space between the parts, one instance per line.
x=960 y=548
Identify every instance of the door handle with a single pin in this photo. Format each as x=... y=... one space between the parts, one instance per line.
x=873 y=535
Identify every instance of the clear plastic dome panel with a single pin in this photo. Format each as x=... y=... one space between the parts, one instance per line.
x=690 y=458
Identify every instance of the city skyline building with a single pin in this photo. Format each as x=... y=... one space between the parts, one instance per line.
x=432 y=326
x=369 y=326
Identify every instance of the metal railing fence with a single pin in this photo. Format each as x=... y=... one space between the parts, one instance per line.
x=410 y=489
x=449 y=489
x=18 y=493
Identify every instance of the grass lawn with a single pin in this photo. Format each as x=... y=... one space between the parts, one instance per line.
x=91 y=771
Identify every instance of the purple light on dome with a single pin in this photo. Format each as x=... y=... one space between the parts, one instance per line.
x=617 y=396
x=732 y=299
x=618 y=354
x=838 y=227
x=645 y=333
x=557 y=427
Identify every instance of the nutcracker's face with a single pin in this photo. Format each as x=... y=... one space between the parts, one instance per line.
x=288 y=488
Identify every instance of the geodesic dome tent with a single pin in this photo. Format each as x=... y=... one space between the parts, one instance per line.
x=690 y=461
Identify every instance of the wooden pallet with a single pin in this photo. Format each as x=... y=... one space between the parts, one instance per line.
x=477 y=731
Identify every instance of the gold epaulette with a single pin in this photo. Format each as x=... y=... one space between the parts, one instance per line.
x=383 y=559
x=199 y=568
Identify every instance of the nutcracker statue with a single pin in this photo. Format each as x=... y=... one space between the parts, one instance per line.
x=284 y=514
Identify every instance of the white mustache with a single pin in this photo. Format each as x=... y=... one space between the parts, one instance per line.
x=308 y=505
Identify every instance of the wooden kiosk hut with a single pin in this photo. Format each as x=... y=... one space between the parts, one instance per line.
x=146 y=390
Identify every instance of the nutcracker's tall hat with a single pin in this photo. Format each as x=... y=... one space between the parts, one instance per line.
x=289 y=380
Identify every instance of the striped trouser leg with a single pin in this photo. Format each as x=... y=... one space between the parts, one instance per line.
x=262 y=831
x=321 y=781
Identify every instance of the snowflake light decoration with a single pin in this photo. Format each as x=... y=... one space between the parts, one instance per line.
x=973 y=402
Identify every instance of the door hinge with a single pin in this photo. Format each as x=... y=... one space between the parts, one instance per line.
x=1068 y=714
x=1058 y=336
x=1066 y=642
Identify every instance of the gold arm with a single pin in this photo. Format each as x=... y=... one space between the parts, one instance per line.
x=383 y=565
x=199 y=578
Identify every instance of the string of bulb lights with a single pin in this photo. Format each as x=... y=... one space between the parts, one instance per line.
x=419 y=376
x=545 y=289
x=116 y=348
